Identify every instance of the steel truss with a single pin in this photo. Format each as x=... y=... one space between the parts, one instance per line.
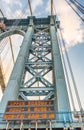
x=38 y=64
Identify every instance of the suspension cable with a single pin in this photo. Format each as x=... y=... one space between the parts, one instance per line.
x=2 y=45
x=5 y=54
x=2 y=12
x=5 y=42
x=30 y=7
x=75 y=11
x=51 y=7
x=70 y=68
x=66 y=73
x=10 y=43
x=16 y=22
x=77 y=6
x=11 y=49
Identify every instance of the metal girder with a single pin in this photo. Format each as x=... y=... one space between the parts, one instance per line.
x=48 y=96
x=25 y=22
x=62 y=104
x=39 y=63
x=35 y=79
x=38 y=60
x=37 y=89
x=55 y=124
x=40 y=51
x=44 y=37
x=46 y=29
x=36 y=93
x=40 y=67
x=23 y=96
x=39 y=77
x=43 y=57
x=43 y=72
x=31 y=70
x=45 y=46
x=15 y=80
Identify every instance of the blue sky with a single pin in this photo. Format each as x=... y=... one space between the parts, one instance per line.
x=72 y=28
x=81 y=1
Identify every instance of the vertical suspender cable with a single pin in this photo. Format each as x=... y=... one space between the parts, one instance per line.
x=70 y=68
x=11 y=49
x=74 y=83
x=9 y=40
x=2 y=12
x=51 y=7
x=67 y=77
x=66 y=73
x=30 y=7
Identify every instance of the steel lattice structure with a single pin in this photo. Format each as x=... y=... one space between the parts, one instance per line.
x=38 y=72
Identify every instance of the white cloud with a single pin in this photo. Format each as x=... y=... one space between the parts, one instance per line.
x=18 y=13
x=9 y=7
x=35 y=4
x=7 y=1
x=48 y=7
x=71 y=25
x=18 y=2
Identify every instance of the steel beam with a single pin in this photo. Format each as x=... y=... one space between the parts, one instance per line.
x=48 y=96
x=62 y=100
x=43 y=93
x=23 y=96
x=12 y=89
x=37 y=89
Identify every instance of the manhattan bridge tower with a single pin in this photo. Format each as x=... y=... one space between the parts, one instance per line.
x=36 y=96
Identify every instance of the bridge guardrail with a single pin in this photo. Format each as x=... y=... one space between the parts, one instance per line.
x=61 y=117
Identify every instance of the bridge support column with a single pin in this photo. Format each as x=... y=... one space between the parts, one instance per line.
x=82 y=128
x=12 y=89
x=12 y=129
x=8 y=126
x=65 y=128
x=62 y=99
x=46 y=128
x=29 y=128
x=36 y=125
x=50 y=125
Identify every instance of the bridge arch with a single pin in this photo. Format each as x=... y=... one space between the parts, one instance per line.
x=2 y=37
x=11 y=32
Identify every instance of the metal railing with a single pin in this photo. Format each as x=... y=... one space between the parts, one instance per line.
x=61 y=117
